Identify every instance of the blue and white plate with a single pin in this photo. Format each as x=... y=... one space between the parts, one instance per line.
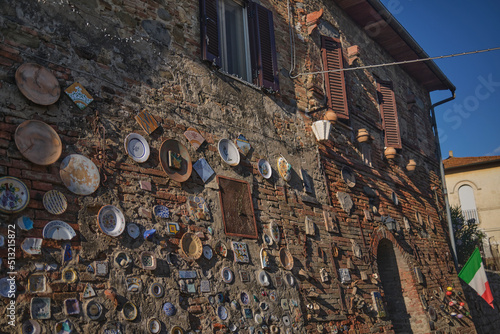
x=222 y=312
x=169 y=309
x=207 y=252
x=227 y=275
x=137 y=147
x=161 y=211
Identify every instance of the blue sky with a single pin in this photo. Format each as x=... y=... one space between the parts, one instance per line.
x=470 y=124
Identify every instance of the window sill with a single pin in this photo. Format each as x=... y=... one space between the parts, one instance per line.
x=234 y=77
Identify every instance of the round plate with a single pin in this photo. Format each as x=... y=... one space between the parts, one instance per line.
x=94 y=310
x=227 y=275
x=111 y=221
x=221 y=249
x=265 y=168
x=222 y=312
x=55 y=202
x=58 y=230
x=37 y=84
x=14 y=195
x=245 y=298
x=285 y=169
x=156 y=290
x=38 y=142
x=179 y=175
x=207 y=252
x=169 y=309
x=176 y=330
x=191 y=246
x=154 y=326
x=228 y=152
x=133 y=230
x=286 y=258
x=31 y=327
x=348 y=176
x=129 y=311
x=79 y=174
x=5 y=287
x=69 y=275
x=137 y=147
x=263 y=278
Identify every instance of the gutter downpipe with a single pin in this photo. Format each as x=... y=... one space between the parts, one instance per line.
x=443 y=181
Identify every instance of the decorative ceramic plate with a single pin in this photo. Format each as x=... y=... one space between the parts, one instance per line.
x=111 y=221
x=207 y=252
x=79 y=174
x=265 y=168
x=228 y=152
x=186 y=167
x=222 y=312
x=348 y=176
x=262 y=278
x=169 y=309
x=38 y=142
x=221 y=249
x=24 y=223
x=290 y=280
x=14 y=195
x=133 y=230
x=5 y=290
x=227 y=275
x=161 y=211
x=156 y=290
x=55 y=202
x=275 y=232
x=191 y=246
x=32 y=246
x=245 y=298
x=154 y=326
x=58 y=230
x=137 y=147
x=69 y=275
x=129 y=311
x=37 y=84
x=243 y=144
x=285 y=169
x=148 y=260
x=31 y=327
x=286 y=258
x=63 y=327
x=176 y=330
x=94 y=310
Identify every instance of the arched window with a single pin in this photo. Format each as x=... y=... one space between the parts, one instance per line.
x=468 y=202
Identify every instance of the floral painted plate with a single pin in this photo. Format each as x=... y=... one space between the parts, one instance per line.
x=58 y=230
x=284 y=168
x=265 y=168
x=14 y=195
x=55 y=202
x=137 y=147
x=228 y=152
x=111 y=220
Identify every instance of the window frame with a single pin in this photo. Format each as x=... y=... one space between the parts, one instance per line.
x=389 y=114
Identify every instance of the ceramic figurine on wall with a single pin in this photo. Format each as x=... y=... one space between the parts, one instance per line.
x=324 y=275
x=264 y=258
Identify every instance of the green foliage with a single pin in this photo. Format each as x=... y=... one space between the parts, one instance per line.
x=467 y=234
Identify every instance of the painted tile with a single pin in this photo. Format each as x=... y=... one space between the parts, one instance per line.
x=79 y=95
x=147 y=122
x=194 y=137
x=240 y=251
x=203 y=169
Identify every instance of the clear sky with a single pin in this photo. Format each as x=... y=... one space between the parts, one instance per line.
x=470 y=124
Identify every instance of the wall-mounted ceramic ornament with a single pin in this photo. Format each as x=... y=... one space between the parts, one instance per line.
x=330 y=219
x=307 y=181
x=368 y=215
x=64 y=327
x=348 y=176
x=418 y=217
x=324 y=275
x=203 y=169
x=286 y=258
x=69 y=275
x=79 y=95
x=243 y=144
x=147 y=122
x=290 y=280
x=227 y=275
x=356 y=250
x=55 y=202
x=345 y=276
x=14 y=195
x=284 y=304
x=175 y=160
x=148 y=234
x=264 y=258
x=248 y=313
x=137 y=147
x=173 y=228
x=24 y=223
x=169 y=309
x=101 y=268
x=221 y=249
x=156 y=290
x=272 y=295
x=394 y=197
x=205 y=286
x=406 y=222
x=364 y=275
x=228 y=152
x=37 y=283
x=378 y=304
x=94 y=310
x=161 y=211
x=133 y=230
x=40 y=308
x=345 y=201
x=38 y=84
x=266 y=239
x=154 y=326
x=32 y=246
x=88 y=291
x=111 y=221
x=194 y=137
x=67 y=253
x=129 y=311
x=147 y=260
x=286 y=321
x=187 y=274
x=278 y=280
x=58 y=230
x=197 y=208
x=264 y=168
x=284 y=169
x=244 y=276
x=419 y=276
x=191 y=246
x=263 y=278
x=134 y=284
x=79 y=174
x=222 y=312
x=31 y=327
x=430 y=222
x=71 y=306
x=310 y=226
x=275 y=232
x=240 y=250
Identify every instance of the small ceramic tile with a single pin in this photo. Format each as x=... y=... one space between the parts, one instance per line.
x=240 y=251
x=79 y=95
x=185 y=274
x=147 y=122
x=243 y=144
x=284 y=304
x=174 y=160
x=205 y=285
x=203 y=169
x=194 y=137
x=89 y=291
x=101 y=268
x=145 y=185
x=197 y=208
x=40 y=308
x=37 y=283
x=191 y=287
x=173 y=228
x=134 y=284
x=244 y=276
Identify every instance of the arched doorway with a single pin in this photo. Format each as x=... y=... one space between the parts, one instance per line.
x=401 y=295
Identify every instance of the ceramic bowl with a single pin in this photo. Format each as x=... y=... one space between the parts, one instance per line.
x=228 y=152
x=79 y=174
x=37 y=84
x=137 y=147
x=38 y=142
x=14 y=195
x=245 y=298
x=58 y=230
x=69 y=275
x=111 y=220
x=264 y=168
x=191 y=246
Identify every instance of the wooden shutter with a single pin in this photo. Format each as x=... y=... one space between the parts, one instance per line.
x=209 y=25
x=334 y=81
x=389 y=114
x=263 y=47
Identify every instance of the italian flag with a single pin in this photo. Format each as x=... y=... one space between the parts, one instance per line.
x=473 y=274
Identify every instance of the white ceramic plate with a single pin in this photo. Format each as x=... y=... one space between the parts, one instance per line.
x=133 y=230
x=265 y=168
x=137 y=147
x=227 y=275
x=111 y=220
x=14 y=195
x=32 y=246
x=228 y=152
x=263 y=278
x=58 y=230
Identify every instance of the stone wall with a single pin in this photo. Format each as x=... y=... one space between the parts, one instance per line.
x=145 y=55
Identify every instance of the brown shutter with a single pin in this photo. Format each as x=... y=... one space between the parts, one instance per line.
x=209 y=25
x=389 y=114
x=334 y=81
x=263 y=47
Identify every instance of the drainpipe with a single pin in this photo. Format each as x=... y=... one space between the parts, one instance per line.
x=443 y=181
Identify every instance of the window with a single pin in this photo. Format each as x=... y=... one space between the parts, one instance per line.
x=238 y=37
x=331 y=51
x=389 y=114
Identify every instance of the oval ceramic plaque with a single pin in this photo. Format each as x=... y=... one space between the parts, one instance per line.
x=38 y=142
x=228 y=152
x=154 y=326
x=222 y=312
x=285 y=169
x=275 y=232
x=58 y=230
x=14 y=195
x=55 y=202
x=137 y=147
x=265 y=168
x=79 y=174
x=111 y=221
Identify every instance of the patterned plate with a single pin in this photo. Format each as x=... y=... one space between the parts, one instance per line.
x=14 y=195
x=285 y=169
x=228 y=152
x=265 y=168
x=111 y=220
x=55 y=202
x=58 y=230
x=161 y=211
x=137 y=147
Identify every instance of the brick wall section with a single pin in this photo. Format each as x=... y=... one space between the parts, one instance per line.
x=104 y=45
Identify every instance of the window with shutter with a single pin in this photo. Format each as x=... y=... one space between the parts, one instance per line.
x=334 y=81
x=388 y=111
x=238 y=36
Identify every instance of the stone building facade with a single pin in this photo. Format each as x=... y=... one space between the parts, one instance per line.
x=380 y=263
